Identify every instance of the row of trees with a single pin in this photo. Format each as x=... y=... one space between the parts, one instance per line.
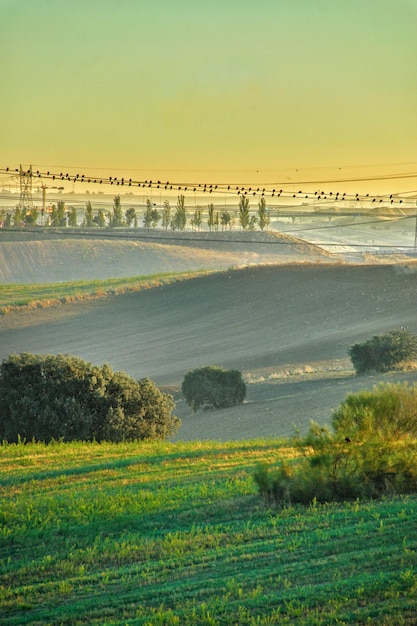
x=168 y=217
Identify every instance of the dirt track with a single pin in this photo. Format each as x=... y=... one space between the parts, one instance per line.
x=259 y=320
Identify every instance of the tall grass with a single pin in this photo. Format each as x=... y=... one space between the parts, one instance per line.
x=31 y=296
x=162 y=533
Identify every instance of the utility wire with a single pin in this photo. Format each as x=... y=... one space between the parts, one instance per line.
x=216 y=188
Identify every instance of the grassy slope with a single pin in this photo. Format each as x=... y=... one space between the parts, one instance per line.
x=14 y=297
x=175 y=534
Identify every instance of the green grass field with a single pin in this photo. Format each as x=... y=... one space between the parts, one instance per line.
x=162 y=533
x=17 y=296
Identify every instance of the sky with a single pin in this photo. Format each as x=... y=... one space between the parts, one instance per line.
x=228 y=90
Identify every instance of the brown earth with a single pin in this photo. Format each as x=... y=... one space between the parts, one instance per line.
x=286 y=327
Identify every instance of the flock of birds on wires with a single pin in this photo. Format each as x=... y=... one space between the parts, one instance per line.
x=229 y=189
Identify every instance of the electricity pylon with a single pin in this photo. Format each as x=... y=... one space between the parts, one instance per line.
x=25 y=181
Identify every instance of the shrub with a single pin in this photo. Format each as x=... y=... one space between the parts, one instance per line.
x=371 y=452
x=383 y=352
x=388 y=409
x=45 y=397
x=213 y=387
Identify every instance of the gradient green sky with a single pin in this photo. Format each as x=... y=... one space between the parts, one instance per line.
x=222 y=89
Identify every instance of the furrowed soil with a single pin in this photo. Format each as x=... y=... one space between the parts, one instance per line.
x=286 y=326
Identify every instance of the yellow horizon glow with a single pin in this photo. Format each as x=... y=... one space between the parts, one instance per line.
x=240 y=91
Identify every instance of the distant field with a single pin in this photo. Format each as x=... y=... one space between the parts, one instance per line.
x=175 y=534
x=17 y=296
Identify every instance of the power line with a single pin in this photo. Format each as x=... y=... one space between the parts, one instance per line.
x=227 y=189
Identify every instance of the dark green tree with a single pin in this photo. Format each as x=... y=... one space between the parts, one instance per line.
x=382 y=353
x=213 y=387
x=45 y=397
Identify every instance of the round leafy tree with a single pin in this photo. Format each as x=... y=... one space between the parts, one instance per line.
x=45 y=397
x=213 y=387
x=381 y=353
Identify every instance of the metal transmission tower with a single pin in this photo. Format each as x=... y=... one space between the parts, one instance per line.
x=25 y=180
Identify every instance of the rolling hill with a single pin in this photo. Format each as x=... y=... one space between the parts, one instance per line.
x=287 y=327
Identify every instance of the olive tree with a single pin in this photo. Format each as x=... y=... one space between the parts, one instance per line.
x=213 y=387
x=46 y=397
x=382 y=353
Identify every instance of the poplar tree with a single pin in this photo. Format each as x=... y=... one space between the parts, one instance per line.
x=244 y=212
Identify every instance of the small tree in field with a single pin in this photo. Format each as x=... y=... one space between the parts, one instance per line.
x=213 y=387
x=382 y=353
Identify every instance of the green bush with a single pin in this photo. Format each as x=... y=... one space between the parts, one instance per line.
x=389 y=410
x=213 y=387
x=371 y=452
x=382 y=353
x=46 y=397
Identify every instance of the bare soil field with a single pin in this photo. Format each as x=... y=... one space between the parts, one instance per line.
x=287 y=327
x=50 y=256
